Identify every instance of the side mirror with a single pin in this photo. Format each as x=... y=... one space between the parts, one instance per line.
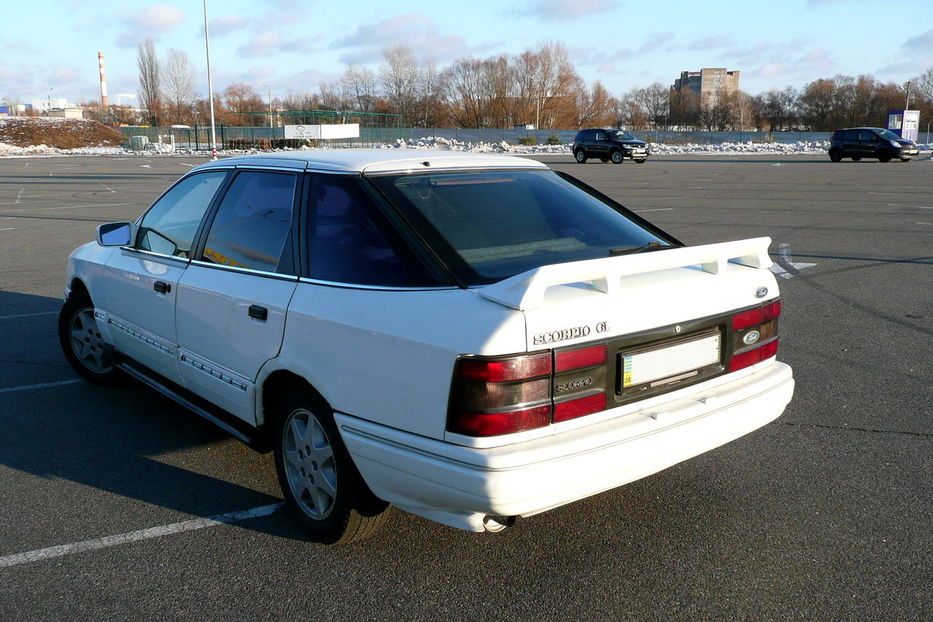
x=114 y=234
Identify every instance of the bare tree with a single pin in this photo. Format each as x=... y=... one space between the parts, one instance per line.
x=360 y=87
x=239 y=99
x=463 y=90
x=656 y=102
x=179 y=85
x=596 y=106
x=399 y=76
x=150 y=81
x=817 y=102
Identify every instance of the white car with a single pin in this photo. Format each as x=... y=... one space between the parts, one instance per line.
x=470 y=338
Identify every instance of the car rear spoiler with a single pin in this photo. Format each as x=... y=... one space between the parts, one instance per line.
x=527 y=290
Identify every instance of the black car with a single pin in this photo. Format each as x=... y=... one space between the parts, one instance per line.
x=870 y=142
x=608 y=144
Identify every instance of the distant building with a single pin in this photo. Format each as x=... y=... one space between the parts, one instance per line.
x=711 y=84
x=66 y=113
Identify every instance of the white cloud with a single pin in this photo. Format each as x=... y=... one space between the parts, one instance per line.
x=269 y=43
x=150 y=22
x=565 y=10
x=415 y=31
x=226 y=24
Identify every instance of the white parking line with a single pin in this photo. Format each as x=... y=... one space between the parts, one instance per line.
x=18 y=315
x=41 y=385
x=136 y=536
x=660 y=209
x=906 y=205
x=7 y=229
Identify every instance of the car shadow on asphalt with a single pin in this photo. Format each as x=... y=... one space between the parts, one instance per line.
x=126 y=440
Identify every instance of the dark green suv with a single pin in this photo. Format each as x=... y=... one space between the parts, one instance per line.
x=870 y=142
x=608 y=144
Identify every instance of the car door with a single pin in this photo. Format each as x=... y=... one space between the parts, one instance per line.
x=232 y=298
x=601 y=144
x=869 y=143
x=137 y=299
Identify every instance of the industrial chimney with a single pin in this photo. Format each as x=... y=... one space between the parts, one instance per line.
x=103 y=80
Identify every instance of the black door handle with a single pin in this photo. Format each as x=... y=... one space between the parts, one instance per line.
x=259 y=313
x=162 y=287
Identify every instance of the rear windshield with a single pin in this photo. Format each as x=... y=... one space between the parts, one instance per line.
x=490 y=225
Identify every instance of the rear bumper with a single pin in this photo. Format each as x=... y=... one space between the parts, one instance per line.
x=459 y=485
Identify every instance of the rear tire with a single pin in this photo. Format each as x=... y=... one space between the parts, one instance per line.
x=81 y=341
x=616 y=157
x=835 y=155
x=580 y=156
x=322 y=486
x=856 y=158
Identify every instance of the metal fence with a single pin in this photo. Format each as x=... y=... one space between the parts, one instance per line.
x=198 y=138
x=658 y=136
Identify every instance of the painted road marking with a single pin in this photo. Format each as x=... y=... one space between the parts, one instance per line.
x=18 y=315
x=136 y=536
x=905 y=205
x=7 y=229
x=660 y=209
x=27 y=209
x=41 y=385
x=19 y=196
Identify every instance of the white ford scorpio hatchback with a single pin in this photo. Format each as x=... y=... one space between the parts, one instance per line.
x=469 y=338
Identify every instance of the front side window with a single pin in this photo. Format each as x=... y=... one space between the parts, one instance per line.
x=252 y=228
x=169 y=227
x=489 y=225
x=349 y=241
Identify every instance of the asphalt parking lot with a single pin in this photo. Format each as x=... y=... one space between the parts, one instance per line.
x=825 y=514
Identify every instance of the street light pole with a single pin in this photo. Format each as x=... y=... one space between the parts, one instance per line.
x=907 y=103
x=210 y=85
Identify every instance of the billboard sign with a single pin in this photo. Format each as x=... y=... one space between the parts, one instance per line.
x=324 y=131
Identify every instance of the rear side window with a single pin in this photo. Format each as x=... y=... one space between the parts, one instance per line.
x=490 y=225
x=252 y=228
x=169 y=227
x=349 y=241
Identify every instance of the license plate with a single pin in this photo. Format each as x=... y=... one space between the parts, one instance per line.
x=669 y=362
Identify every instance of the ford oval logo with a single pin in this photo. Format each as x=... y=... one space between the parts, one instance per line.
x=761 y=292
x=751 y=337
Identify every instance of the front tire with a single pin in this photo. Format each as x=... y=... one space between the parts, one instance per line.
x=321 y=484
x=81 y=341
x=856 y=158
x=580 y=156
x=884 y=157
x=906 y=159
x=640 y=160
x=616 y=157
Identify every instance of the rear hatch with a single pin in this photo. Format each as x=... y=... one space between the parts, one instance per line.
x=665 y=317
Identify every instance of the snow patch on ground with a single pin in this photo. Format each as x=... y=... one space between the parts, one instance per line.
x=446 y=144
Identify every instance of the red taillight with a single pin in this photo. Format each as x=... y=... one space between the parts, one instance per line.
x=504 y=395
x=583 y=357
x=504 y=370
x=579 y=407
x=755 y=335
x=493 y=424
x=747 y=359
x=756 y=316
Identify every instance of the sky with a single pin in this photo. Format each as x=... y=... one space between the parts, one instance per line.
x=287 y=46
